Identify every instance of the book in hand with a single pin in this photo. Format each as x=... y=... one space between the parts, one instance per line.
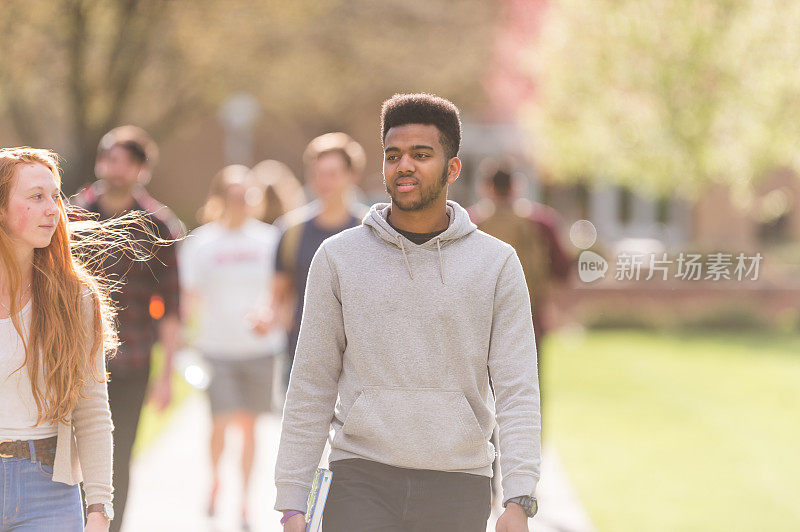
x=317 y=498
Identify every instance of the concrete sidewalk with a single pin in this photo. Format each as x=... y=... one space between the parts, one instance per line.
x=171 y=479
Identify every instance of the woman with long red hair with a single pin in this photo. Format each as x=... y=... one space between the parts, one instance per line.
x=55 y=333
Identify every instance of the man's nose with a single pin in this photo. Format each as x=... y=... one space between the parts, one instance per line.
x=406 y=164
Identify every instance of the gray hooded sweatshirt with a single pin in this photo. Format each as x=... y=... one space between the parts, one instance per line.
x=397 y=345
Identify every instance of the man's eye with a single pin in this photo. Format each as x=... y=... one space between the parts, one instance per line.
x=391 y=157
x=36 y=196
x=422 y=156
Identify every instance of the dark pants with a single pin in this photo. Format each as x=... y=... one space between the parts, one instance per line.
x=369 y=496
x=125 y=396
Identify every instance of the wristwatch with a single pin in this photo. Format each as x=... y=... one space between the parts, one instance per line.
x=102 y=508
x=527 y=502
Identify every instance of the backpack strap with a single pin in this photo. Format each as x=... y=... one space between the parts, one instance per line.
x=290 y=246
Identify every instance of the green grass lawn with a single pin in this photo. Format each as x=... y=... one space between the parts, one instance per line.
x=669 y=432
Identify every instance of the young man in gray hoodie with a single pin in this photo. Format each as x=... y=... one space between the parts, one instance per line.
x=416 y=339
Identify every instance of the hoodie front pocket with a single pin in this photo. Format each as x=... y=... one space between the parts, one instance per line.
x=419 y=428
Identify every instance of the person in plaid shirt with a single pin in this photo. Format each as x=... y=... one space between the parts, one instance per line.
x=147 y=294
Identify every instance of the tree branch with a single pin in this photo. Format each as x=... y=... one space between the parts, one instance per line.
x=23 y=119
x=76 y=84
x=164 y=125
x=138 y=27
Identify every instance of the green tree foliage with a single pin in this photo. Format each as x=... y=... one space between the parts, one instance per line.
x=70 y=70
x=667 y=95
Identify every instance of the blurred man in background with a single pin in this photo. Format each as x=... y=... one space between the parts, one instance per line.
x=333 y=164
x=148 y=291
x=531 y=229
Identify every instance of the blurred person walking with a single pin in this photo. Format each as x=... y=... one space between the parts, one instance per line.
x=56 y=328
x=226 y=271
x=406 y=319
x=531 y=229
x=333 y=164
x=148 y=294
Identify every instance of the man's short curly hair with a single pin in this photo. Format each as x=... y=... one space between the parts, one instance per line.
x=422 y=108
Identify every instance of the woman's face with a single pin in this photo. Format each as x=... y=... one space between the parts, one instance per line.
x=32 y=213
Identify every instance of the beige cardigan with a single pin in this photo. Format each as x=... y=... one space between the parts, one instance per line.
x=85 y=445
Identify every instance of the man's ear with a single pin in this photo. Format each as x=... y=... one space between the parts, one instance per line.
x=453 y=169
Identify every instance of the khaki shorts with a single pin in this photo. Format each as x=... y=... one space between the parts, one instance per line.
x=238 y=385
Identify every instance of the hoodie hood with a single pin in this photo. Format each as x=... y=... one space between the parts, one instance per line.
x=460 y=226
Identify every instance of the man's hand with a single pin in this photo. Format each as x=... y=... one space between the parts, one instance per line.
x=296 y=523
x=169 y=331
x=96 y=522
x=262 y=322
x=513 y=519
x=161 y=392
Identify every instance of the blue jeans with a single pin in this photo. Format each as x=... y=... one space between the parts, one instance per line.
x=31 y=501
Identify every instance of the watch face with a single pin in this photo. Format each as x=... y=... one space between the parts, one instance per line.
x=109 y=510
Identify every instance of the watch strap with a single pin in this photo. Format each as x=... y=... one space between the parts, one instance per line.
x=527 y=503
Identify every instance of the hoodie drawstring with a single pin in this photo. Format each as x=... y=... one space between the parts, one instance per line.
x=408 y=266
x=441 y=264
x=403 y=249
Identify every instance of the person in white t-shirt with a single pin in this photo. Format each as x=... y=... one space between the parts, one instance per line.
x=226 y=269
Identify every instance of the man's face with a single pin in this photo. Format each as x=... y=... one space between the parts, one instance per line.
x=416 y=170
x=329 y=177
x=33 y=208
x=120 y=169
